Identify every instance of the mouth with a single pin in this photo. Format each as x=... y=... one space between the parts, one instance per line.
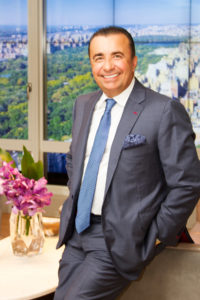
x=110 y=76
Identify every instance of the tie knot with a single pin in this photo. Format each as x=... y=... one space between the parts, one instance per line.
x=109 y=104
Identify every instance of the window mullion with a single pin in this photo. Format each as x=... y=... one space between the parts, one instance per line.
x=34 y=75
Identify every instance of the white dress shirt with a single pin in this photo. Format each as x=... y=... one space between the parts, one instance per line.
x=116 y=114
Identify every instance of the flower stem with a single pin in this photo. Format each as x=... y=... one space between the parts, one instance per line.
x=17 y=223
x=28 y=222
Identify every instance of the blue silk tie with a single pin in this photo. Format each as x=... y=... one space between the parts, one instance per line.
x=88 y=186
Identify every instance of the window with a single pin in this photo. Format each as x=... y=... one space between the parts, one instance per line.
x=44 y=43
x=67 y=70
x=18 y=48
x=13 y=68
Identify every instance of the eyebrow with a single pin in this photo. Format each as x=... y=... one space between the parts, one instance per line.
x=118 y=52
x=113 y=53
x=97 y=54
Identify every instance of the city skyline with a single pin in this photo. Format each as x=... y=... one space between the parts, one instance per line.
x=170 y=52
x=105 y=12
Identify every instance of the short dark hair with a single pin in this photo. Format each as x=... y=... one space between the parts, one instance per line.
x=114 y=30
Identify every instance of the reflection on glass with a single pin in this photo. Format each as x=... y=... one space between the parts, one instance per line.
x=163 y=67
x=153 y=20
x=13 y=69
x=17 y=158
x=55 y=168
x=195 y=21
x=193 y=103
x=70 y=25
x=167 y=46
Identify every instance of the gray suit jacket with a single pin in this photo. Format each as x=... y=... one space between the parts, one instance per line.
x=151 y=187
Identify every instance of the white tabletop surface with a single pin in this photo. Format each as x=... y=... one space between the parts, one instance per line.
x=23 y=278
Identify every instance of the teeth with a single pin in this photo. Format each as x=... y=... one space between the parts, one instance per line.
x=110 y=76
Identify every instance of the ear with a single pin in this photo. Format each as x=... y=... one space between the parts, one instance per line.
x=134 y=63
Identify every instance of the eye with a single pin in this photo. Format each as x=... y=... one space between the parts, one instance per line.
x=117 y=56
x=98 y=59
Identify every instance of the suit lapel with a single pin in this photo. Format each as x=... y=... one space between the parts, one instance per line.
x=132 y=111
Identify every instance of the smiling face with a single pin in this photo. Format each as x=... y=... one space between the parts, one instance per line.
x=112 y=63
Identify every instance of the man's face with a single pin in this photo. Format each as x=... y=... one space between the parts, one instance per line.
x=112 y=63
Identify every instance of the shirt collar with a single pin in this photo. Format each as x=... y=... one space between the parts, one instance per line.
x=122 y=98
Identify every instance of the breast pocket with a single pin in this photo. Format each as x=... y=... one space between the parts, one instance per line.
x=137 y=153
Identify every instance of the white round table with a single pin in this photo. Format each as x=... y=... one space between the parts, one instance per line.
x=23 y=278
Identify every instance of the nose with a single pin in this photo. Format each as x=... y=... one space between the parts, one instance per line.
x=108 y=64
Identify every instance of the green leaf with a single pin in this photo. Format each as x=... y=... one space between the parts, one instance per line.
x=30 y=169
x=35 y=170
x=5 y=156
x=40 y=170
x=27 y=160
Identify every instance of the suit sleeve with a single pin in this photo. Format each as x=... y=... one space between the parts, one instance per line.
x=181 y=169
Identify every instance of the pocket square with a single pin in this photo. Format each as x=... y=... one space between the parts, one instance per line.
x=134 y=140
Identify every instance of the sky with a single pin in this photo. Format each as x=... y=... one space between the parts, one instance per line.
x=13 y=12
x=92 y=12
x=104 y=12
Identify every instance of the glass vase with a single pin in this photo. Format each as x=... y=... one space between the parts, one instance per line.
x=26 y=233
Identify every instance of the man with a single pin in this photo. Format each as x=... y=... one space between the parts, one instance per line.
x=146 y=176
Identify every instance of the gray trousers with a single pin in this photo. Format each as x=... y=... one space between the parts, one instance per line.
x=86 y=270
